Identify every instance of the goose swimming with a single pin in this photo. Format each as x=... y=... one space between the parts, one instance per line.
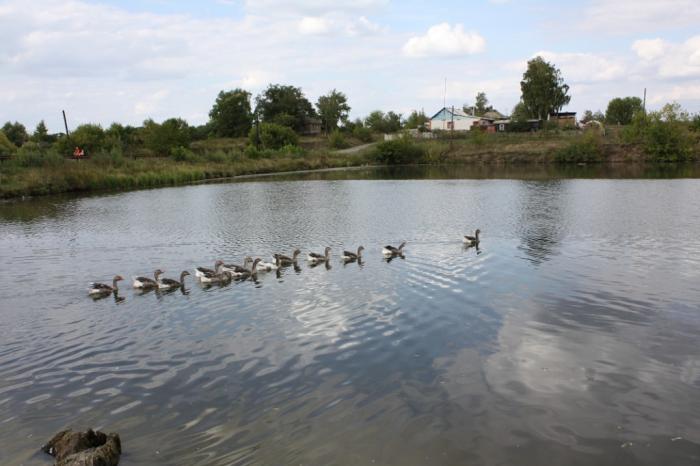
x=168 y=283
x=393 y=251
x=472 y=240
x=351 y=256
x=315 y=257
x=217 y=276
x=201 y=271
x=235 y=269
x=102 y=288
x=249 y=273
x=148 y=283
x=286 y=260
x=263 y=266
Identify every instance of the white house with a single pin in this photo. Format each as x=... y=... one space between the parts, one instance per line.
x=446 y=117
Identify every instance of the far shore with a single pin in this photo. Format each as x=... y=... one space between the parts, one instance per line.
x=102 y=174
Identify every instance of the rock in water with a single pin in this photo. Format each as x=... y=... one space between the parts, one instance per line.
x=84 y=448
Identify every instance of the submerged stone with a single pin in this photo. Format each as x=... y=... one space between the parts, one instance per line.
x=84 y=448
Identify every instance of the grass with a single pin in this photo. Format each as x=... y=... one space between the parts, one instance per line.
x=96 y=175
x=31 y=174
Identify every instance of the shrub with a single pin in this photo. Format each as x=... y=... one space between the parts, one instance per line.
x=32 y=155
x=336 y=140
x=183 y=154
x=477 y=136
x=291 y=150
x=399 y=151
x=695 y=123
x=273 y=136
x=114 y=157
x=161 y=138
x=362 y=133
x=6 y=146
x=588 y=148
x=667 y=141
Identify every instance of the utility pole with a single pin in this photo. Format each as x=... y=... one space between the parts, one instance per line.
x=444 y=104
x=65 y=122
x=644 y=105
x=452 y=129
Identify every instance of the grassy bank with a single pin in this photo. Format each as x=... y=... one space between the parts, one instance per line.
x=101 y=173
x=38 y=173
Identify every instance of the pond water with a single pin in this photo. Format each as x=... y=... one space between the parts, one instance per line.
x=571 y=336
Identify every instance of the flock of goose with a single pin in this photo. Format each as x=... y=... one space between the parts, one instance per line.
x=222 y=272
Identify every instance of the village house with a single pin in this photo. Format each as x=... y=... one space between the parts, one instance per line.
x=312 y=126
x=564 y=119
x=451 y=118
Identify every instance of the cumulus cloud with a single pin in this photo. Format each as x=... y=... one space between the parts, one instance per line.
x=649 y=49
x=586 y=67
x=445 y=40
x=669 y=59
x=313 y=25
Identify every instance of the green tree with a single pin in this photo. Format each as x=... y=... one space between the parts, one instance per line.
x=381 y=122
x=41 y=133
x=89 y=137
x=480 y=107
x=543 y=89
x=231 y=115
x=416 y=120
x=285 y=105
x=520 y=112
x=6 y=146
x=621 y=111
x=333 y=108
x=120 y=136
x=162 y=138
x=16 y=133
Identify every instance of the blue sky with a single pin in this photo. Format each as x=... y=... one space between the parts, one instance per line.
x=126 y=61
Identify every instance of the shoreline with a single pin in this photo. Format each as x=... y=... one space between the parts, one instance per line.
x=104 y=175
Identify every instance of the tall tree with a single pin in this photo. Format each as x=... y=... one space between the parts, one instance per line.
x=416 y=119
x=231 y=115
x=621 y=110
x=543 y=89
x=41 y=133
x=16 y=133
x=332 y=108
x=381 y=122
x=284 y=105
x=162 y=138
x=520 y=112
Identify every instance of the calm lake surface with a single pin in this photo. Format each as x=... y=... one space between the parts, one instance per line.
x=572 y=336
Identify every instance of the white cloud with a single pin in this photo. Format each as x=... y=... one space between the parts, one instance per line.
x=668 y=59
x=313 y=25
x=445 y=40
x=314 y=7
x=585 y=67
